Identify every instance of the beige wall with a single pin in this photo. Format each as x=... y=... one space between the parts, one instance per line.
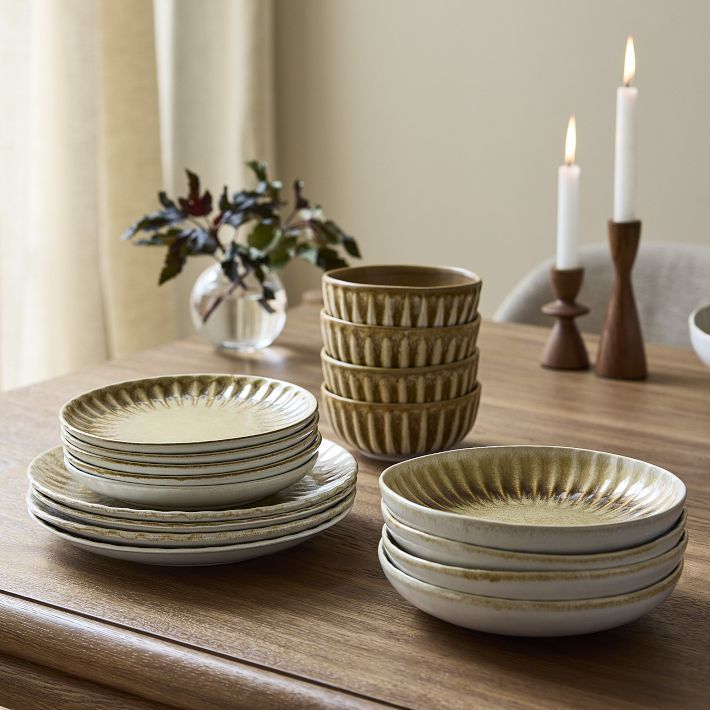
x=432 y=129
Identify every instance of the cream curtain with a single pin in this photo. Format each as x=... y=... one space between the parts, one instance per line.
x=105 y=102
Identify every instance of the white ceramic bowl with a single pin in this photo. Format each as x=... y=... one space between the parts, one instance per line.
x=191 y=556
x=545 y=499
x=515 y=617
x=202 y=497
x=699 y=325
x=539 y=585
x=461 y=554
x=193 y=476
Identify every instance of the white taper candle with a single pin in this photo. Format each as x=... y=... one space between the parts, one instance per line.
x=568 y=204
x=625 y=142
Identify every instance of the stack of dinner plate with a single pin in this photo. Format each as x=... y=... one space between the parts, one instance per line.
x=400 y=360
x=532 y=540
x=191 y=469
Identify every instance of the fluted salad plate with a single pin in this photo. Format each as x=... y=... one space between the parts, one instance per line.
x=259 y=451
x=194 y=496
x=544 y=499
x=194 y=475
x=334 y=472
x=462 y=554
x=177 y=539
x=191 y=556
x=518 y=617
x=547 y=585
x=188 y=413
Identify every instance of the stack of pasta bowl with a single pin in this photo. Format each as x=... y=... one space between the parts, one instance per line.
x=191 y=469
x=532 y=540
x=400 y=360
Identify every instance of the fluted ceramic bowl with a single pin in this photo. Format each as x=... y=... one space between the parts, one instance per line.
x=393 y=431
x=463 y=554
x=549 y=585
x=522 y=617
x=699 y=325
x=402 y=296
x=545 y=499
x=398 y=384
x=391 y=347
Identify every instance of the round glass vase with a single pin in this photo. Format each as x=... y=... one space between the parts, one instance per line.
x=239 y=322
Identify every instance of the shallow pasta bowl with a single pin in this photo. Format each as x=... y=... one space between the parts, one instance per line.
x=463 y=554
x=401 y=295
x=518 y=617
x=188 y=413
x=537 y=585
x=544 y=499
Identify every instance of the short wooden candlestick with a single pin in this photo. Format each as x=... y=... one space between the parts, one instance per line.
x=621 y=353
x=565 y=348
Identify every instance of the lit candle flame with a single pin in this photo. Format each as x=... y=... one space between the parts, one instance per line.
x=571 y=141
x=629 y=61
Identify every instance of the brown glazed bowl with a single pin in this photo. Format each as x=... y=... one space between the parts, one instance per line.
x=400 y=385
x=394 y=347
x=402 y=296
x=395 y=431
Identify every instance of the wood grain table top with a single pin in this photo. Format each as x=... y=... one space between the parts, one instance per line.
x=318 y=625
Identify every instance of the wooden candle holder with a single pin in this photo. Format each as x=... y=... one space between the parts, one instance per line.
x=565 y=348
x=621 y=353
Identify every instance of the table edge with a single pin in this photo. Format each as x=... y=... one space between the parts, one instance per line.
x=153 y=667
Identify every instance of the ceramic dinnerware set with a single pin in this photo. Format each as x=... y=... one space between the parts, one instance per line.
x=191 y=470
x=532 y=540
x=400 y=360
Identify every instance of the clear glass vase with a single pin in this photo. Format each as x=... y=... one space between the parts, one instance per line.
x=239 y=322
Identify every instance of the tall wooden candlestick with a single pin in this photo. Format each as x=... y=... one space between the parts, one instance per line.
x=621 y=352
x=565 y=348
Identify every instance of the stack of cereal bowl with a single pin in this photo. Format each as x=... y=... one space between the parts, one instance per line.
x=400 y=358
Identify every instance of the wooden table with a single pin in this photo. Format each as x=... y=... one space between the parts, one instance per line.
x=319 y=625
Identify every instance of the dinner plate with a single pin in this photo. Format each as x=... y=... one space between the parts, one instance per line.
x=176 y=539
x=188 y=413
x=192 y=556
x=334 y=472
x=227 y=455
x=462 y=554
x=195 y=497
x=516 y=617
x=111 y=465
x=82 y=516
x=548 y=499
x=198 y=476
x=578 y=584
